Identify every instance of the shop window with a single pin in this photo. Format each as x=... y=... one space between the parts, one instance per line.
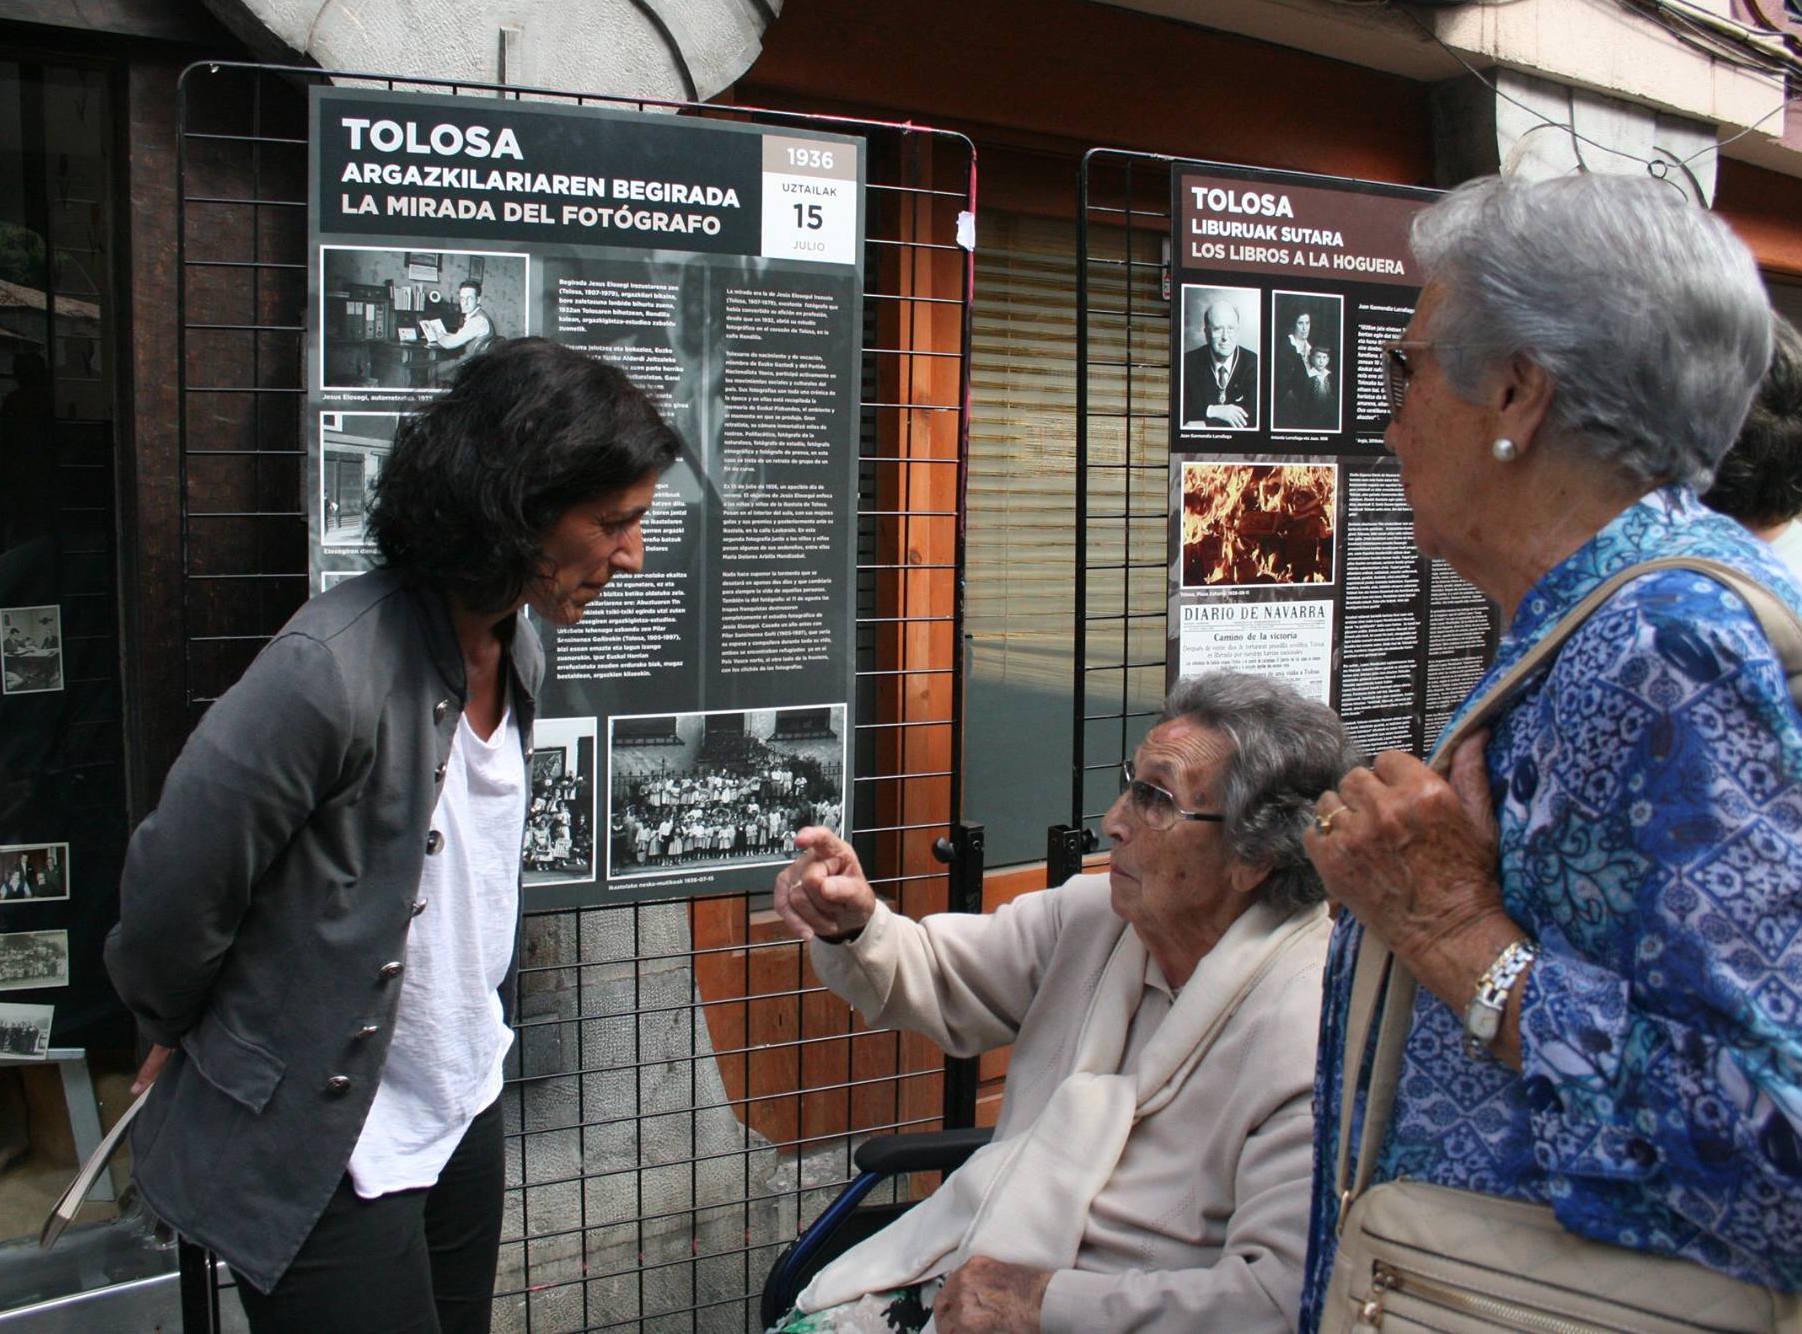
x=724 y=726
x=651 y=730
x=799 y=724
x=62 y=797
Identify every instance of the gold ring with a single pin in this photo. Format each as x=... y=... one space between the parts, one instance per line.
x=1323 y=824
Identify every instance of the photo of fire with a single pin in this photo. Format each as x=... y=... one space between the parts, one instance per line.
x=1258 y=523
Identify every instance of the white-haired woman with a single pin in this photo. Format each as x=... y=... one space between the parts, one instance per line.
x=1150 y=1168
x=1620 y=853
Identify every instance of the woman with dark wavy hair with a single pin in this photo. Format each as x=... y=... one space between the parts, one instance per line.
x=1759 y=481
x=317 y=923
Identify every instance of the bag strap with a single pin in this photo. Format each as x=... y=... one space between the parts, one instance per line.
x=1379 y=974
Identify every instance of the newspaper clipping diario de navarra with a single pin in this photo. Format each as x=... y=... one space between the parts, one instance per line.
x=699 y=713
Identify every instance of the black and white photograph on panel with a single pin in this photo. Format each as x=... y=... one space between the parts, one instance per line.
x=34 y=959
x=353 y=446
x=332 y=578
x=34 y=871
x=31 y=649
x=406 y=319
x=559 y=846
x=1306 y=353
x=25 y=1032
x=696 y=791
x=1222 y=332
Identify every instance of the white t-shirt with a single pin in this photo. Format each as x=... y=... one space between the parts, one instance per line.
x=450 y=1039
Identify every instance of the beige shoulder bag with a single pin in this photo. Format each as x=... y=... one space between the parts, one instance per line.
x=1412 y=1256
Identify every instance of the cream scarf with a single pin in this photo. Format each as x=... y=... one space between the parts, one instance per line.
x=1026 y=1199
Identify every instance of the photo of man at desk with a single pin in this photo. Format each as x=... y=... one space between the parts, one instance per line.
x=475 y=333
x=399 y=319
x=31 y=653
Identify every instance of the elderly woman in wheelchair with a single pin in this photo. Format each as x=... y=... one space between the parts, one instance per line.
x=1150 y=1167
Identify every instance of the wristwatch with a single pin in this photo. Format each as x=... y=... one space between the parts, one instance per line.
x=1483 y=1016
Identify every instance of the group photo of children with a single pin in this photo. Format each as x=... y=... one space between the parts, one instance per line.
x=559 y=843
x=701 y=790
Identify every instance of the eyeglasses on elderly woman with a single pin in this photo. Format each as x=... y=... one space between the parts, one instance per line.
x=1399 y=371
x=1152 y=805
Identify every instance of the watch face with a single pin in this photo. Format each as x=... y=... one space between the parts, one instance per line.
x=1482 y=1022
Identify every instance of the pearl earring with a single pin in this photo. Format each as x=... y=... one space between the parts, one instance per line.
x=1504 y=450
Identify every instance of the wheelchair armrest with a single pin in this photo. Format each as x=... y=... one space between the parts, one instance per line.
x=927 y=1151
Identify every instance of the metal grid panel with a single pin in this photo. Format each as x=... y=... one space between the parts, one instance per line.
x=1122 y=466
x=683 y=1093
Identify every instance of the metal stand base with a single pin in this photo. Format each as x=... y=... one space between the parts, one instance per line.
x=84 y=1111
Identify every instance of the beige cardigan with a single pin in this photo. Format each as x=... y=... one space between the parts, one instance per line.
x=1204 y=1221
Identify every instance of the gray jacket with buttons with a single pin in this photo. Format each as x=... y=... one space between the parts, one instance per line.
x=265 y=904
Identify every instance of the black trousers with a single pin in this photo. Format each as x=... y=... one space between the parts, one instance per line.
x=413 y=1262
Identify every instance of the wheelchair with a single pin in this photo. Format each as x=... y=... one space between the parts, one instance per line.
x=845 y=1223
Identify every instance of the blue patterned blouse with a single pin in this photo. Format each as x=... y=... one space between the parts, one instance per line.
x=1649 y=792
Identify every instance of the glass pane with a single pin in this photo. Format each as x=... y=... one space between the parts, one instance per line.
x=1021 y=519
x=62 y=798
x=1021 y=532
